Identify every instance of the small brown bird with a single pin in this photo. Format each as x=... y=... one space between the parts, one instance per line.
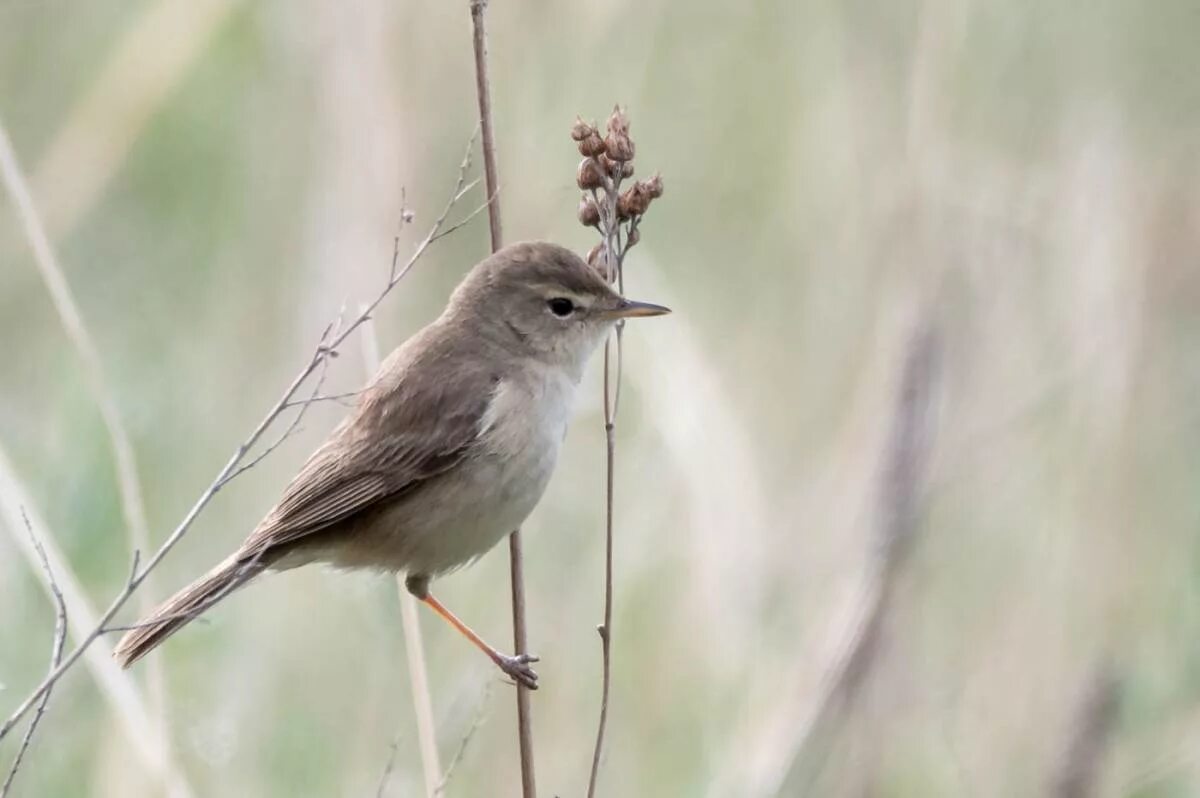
x=448 y=449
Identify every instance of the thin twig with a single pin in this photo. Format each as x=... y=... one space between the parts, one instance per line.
x=56 y=650
x=315 y=361
x=461 y=751
x=304 y=404
x=414 y=648
x=340 y=398
x=614 y=255
x=516 y=557
x=605 y=629
x=389 y=766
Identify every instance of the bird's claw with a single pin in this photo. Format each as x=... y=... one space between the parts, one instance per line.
x=518 y=668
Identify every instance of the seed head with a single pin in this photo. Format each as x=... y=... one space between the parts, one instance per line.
x=611 y=168
x=590 y=175
x=634 y=200
x=617 y=143
x=653 y=185
x=582 y=130
x=592 y=146
x=597 y=261
x=589 y=214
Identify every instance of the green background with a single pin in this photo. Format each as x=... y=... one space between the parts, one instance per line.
x=220 y=177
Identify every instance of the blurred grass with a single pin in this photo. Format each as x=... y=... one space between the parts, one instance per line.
x=828 y=166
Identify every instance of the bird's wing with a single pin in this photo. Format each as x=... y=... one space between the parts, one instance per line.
x=404 y=431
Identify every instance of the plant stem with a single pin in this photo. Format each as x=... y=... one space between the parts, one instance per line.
x=516 y=557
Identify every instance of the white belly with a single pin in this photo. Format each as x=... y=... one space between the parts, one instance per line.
x=492 y=491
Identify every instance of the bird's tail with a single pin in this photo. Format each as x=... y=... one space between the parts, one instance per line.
x=183 y=607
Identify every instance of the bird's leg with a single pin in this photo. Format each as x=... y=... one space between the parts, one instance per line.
x=517 y=667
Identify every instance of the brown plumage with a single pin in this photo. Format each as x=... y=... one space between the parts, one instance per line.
x=448 y=449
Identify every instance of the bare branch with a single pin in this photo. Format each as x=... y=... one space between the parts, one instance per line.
x=386 y=776
x=468 y=217
x=476 y=723
x=516 y=558
x=56 y=650
x=316 y=361
x=340 y=398
x=303 y=404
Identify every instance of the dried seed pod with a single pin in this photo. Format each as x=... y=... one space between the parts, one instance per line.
x=589 y=176
x=592 y=145
x=624 y=210
x=582 y=130
x=597 y=261
x=653 y=185
x=611 y=168
x=589 y=213
x=617 y=143
x=627 y=169
x=618 y=121
x=633 y=201
x=619 y=147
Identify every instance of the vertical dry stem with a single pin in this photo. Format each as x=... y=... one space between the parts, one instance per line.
x=616 y=216
x=414 y=648
x=605 y=629
x=516 y=557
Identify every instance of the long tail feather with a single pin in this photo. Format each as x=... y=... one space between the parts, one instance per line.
x=183 y=607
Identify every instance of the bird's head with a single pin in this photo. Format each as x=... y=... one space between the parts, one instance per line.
x=545 y=300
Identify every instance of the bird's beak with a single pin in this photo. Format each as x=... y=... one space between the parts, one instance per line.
x=629 y=309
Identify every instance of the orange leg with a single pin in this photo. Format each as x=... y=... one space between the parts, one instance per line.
x=517 y=667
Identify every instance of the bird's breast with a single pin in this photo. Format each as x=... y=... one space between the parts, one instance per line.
x=495 y=487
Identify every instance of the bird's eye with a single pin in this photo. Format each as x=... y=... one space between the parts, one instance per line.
x=561 y=306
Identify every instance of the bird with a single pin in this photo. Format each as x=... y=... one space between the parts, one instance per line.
x=446 y=451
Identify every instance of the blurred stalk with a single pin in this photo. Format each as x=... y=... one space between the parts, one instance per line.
x=1082 y=763
x=132 y=505
x=905 y=455
x=414 y=647
x=516 y=556
x=151 y=59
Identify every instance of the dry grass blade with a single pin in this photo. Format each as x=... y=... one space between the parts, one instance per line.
x=414 y=648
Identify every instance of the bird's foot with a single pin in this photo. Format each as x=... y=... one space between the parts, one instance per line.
x=518 y=668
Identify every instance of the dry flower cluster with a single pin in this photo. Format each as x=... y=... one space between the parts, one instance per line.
x=607 y=161
x=616 y=214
